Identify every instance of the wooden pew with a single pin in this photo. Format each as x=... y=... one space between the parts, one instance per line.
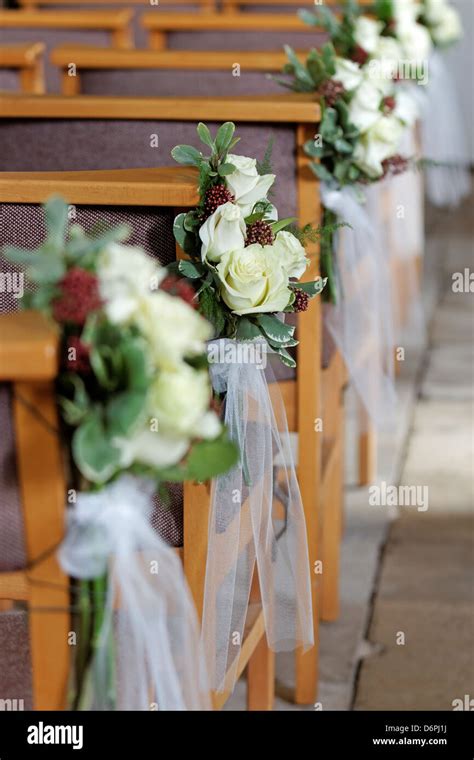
x=27 y=60
x=202 y=5
x=116 y=22
x=300 y=115
x=173 y=188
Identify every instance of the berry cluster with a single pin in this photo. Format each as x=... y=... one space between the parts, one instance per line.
x=77 y=356
x=359 y=55
x=79 y=296
x=331 y=91
x=301 y=301
x=176 y=286
x=394 y=165
x=216 y=196
x=259 y=232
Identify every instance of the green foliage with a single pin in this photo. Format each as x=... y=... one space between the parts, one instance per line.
x=206 y=460
x=265 y=165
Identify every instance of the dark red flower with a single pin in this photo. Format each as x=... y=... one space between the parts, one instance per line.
x=77 y=355
x=176 y=286
x=216 y=196
x=79 y=297
x=395 y=165
x=359 y=55
x=259 y=232
x=331 y=91
x=389 y=104
x=301 y=301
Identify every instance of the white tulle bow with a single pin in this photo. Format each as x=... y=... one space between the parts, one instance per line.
x=361 y=323
x=149 y=612
x=256 y=524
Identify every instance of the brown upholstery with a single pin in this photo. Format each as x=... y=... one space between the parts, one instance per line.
x=10 y=80
x=61 y=145
x=12 y=544
x=52 y=38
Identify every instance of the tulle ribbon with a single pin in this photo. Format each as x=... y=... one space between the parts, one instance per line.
x=444 y=137
x=361 y=323
x=256 y=524
x=148 y=613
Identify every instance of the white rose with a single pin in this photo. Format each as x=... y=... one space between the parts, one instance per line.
x=348 y=73
x=388 y=55
x=246 y=184
x=292 y=254
x=380 y=142
x=173 y=328
x=415 y=41
x=223 y=231
x=156 y=450
x=434 y=11
x=364 y=108
x=449 y=29
x=367 y=32
x=406 y=108
x=406 y=10
x=179 y=401
x=254 y=280
x=126 y=276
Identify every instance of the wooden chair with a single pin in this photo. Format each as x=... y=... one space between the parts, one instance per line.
x=293 y=116
x=26 y=61
x=122 y=191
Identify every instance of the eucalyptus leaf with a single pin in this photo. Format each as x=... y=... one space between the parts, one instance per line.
x=224 y=136
x=205 y=135
x=276 y=330
x=187 y=155
x=191 y=269
x=94 y=454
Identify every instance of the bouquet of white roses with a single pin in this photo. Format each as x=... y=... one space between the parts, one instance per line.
x=244 y=262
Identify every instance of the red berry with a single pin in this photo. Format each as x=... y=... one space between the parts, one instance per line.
x=331 y=91
x=176 y=286
x=301 y=301
x=79 y=297
x=216 y=196
x=259 y=232
x=394 y=165
x=359 y=55
x=389 y=104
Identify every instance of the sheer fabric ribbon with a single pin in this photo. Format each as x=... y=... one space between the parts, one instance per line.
x=443 y=136
x=361 y=323
x=256 y=524
x=148 y=610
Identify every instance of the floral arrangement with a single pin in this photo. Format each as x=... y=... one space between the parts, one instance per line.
x=136 y=403
x=133 y=387
x=244 y=262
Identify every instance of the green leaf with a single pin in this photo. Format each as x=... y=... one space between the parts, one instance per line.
x=187 y=155
x=225 y=169
x=286 y=358
x=208 y=459
x=329 y=58
x=94 y=454
x=276 y=330
x=311 y=288
x=191 y=269
x=124 y=412
x=185 y=239
x=105 y=363
x=204 y=135
x=224 y=137
x=322 y=173
x=299 y=68
x=212 y=310
x=343 y=146
x=247 y=330
x=75 y=406
x=55 y=214
x=282 y=223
